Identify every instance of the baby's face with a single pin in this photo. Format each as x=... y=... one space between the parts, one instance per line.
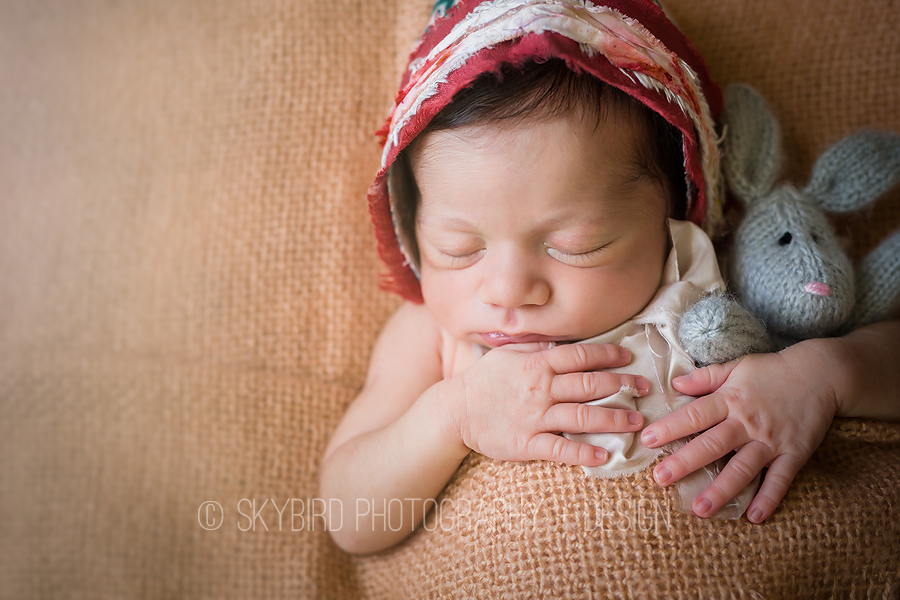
x=538 y=231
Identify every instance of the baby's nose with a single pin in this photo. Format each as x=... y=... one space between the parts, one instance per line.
x=512 y=285
x=817 y=288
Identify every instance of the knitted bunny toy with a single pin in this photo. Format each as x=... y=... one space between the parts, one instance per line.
x=786 y=263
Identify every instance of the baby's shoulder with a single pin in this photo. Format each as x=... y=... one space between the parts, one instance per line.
x=404 y=364
x=411 y=338
x=414 y=323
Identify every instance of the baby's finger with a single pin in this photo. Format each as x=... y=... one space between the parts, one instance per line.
x=700 y=451
x=704 y=380
x=583 y=418
x=548 y=446
x=592 y=385
x=694 y=417
x=774 y=486
x=739 y=472
x=572 y=358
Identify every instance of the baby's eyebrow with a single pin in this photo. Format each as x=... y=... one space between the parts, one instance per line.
x=626 y=181
x=446 y=222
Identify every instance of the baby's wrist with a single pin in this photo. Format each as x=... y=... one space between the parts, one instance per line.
x=448 y=397
x=867 y=359
x=835 y=366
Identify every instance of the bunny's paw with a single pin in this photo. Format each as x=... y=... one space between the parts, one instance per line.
x=717 y=329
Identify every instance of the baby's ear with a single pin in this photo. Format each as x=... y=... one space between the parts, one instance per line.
x=856 y=170
x=752 y=144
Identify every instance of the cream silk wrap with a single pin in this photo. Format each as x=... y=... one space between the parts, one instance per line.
x=691 y=270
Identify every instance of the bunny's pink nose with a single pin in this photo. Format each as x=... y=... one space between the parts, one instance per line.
x=818 y=288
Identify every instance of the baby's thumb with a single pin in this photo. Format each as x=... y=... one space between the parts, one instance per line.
x=705 y=380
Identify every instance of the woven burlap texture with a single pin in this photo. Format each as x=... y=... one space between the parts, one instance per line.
x=188 y=299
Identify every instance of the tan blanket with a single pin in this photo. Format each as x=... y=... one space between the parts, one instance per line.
x=188 y=300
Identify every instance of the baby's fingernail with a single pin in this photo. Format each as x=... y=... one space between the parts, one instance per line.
x=623 y=353
x=703 y=507
x=755 y=515
x=601 y=454
x=642 y=385
x=662 y=475
x=683 y=378
x=648 y=438
x=635 y=418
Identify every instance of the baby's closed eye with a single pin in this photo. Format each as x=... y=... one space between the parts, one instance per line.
x=576 y=256
x=455 y=255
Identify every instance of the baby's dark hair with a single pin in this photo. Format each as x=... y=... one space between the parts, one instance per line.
x=545 y=90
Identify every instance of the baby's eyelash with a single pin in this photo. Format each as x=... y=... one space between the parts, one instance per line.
x=580 y=257
x=461 y=260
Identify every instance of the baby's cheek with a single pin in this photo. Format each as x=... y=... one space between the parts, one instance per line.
x=635 y=285
x=445 y=297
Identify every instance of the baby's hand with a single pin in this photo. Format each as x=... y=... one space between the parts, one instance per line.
x=517 y=397
x=773 y=408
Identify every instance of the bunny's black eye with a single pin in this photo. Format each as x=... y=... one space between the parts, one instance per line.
x=815 y=238
x=785 y=239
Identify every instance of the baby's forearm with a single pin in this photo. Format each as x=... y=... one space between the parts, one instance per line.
x=866 y=369
x=385 y=480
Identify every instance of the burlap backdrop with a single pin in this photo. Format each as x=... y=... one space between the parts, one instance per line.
x=188 y=282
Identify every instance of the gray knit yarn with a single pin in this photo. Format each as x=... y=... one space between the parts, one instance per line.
x=785 y=249
x=855 y=171
x=786 y=263
x=784 y=243
x=750 y=166
x=877 y=283
x=717 y=329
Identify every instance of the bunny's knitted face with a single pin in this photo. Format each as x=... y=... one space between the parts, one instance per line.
x=789 y=267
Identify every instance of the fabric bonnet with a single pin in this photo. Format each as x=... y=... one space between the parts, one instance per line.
x=629 y=44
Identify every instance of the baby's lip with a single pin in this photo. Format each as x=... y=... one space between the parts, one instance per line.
x=495 y=339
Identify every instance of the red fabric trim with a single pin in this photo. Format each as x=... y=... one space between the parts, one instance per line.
x=399 y=277
x=646 y=13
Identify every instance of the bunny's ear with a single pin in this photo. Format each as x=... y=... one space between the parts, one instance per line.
x=752 y=143
x=878 y=283
x=856 y=170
